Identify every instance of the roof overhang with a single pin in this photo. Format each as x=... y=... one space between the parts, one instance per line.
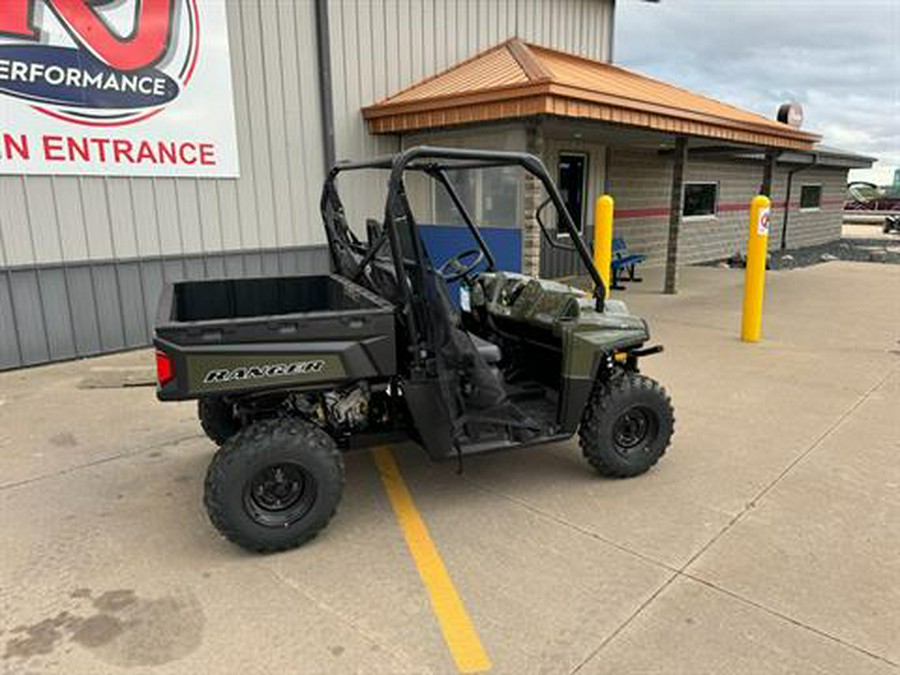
x=566 y=86
x=818 y=156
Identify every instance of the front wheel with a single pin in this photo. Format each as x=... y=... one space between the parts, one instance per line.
x=274 y=485
x=626 y=426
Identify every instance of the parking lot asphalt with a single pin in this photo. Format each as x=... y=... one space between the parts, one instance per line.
x=766 y=541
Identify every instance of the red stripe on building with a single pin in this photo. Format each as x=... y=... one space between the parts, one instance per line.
x=662 y=212
x=734 y=207
x=641 y=213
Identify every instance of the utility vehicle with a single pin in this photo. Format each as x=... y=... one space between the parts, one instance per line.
x=292 y=371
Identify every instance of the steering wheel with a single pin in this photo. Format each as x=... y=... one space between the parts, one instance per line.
x=456 y=268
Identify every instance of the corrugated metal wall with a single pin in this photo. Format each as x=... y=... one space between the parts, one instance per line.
x=82 y=260
x=48 y=220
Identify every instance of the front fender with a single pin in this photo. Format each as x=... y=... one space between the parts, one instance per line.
x=588 y=354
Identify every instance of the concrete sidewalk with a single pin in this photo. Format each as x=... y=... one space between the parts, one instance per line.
x=766 y=541
x=868 y=231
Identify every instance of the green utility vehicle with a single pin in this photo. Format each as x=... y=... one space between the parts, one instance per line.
x=290 y=372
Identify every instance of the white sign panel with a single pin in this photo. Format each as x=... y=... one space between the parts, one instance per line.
x=123 y=88
x=762 y=225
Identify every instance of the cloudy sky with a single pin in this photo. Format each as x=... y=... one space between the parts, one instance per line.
x=839 y=58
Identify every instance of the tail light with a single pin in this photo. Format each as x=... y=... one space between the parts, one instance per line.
x=165 y=371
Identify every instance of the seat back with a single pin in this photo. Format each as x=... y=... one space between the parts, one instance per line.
x=618 y=245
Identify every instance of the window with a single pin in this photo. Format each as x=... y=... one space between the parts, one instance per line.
x=572 y=185
x=500 y=196
x=491 y=196
x=464 y=182
x=810 y=196
x=700 y=199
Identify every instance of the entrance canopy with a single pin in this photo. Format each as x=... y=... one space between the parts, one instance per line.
x=516 y=80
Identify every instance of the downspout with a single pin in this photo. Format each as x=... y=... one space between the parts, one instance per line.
x=323 y=49
x=787 y=197
x=611 y=40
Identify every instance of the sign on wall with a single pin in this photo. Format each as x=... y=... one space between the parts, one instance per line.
x=116 y=87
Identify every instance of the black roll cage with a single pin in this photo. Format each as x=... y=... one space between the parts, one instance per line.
x=436 y=162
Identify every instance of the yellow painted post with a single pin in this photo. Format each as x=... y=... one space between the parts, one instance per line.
x=755 y=279
x=603 y=231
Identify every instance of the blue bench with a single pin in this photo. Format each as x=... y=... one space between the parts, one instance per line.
x=624 y=262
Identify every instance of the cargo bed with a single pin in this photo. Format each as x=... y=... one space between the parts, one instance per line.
x=234 y=335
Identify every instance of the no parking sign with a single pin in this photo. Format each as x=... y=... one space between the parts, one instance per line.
x=762 y=223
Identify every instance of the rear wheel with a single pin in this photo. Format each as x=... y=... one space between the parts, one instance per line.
x=627 y=425
x=274 y=485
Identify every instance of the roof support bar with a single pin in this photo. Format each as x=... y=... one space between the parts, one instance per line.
x=675 y=209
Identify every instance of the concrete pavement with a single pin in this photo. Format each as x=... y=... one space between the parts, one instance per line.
x=873 y=230
x=767 y=541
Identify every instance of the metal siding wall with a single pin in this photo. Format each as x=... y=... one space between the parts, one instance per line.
x=81 y=309
x=45 y=220
x=82 y=260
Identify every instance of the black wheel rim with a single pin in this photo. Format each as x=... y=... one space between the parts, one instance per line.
x=634 y=429
x=280 y=494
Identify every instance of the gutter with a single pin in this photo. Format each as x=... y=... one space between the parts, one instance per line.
x=326 y=104
x=787 y=198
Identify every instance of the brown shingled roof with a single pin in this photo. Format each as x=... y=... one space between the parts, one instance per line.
x=515 y=79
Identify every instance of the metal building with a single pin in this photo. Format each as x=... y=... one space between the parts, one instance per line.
x=195 y=146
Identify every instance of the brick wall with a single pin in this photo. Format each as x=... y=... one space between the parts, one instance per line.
x=806 y=228
x=640 y=183
x=531 y=235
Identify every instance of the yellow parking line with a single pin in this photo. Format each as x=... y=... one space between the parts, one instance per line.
x=459 y=633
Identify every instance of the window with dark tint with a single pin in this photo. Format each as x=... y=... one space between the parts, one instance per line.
x=810 y=196
x=700 y=199
x=572 y=182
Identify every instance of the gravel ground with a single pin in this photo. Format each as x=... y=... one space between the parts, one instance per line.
x=877 y=251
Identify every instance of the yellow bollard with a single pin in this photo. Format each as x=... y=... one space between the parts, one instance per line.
x=755 y=279
x=603 y=231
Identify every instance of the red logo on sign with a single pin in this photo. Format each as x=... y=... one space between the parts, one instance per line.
x=145 y=47
x=119 y=80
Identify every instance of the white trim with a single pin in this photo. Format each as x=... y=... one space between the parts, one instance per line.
x=585 y=187
x=811 y=209
x=700 y=216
